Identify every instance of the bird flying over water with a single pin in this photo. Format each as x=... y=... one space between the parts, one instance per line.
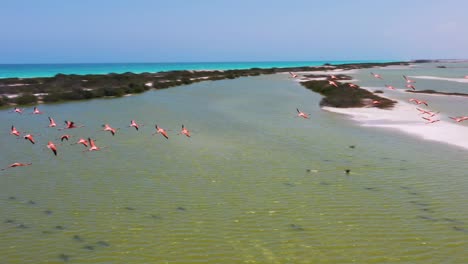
x=302 y=114
x=16 y=164
x=376 y=75
x=161 y=131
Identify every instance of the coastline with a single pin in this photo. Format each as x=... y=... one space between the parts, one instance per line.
x=62 y=87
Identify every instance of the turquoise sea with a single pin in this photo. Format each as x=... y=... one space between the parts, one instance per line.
x=254 y=183
x=48 y=70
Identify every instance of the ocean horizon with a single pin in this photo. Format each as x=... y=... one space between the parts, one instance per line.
x=34 y=70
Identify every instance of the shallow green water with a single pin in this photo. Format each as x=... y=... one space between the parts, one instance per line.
x=238 y=191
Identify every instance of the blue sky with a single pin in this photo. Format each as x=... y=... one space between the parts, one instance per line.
x=48 y=31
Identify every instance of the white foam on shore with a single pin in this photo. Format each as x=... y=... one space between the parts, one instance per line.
x=404 y=117
x=461 y=80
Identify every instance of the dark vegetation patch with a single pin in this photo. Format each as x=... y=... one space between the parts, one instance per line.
x=71 y=87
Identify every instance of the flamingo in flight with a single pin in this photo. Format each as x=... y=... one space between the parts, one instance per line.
x=430 y=121
x=185 y=131
x=70 y=125
x=408 y=80
x=14 y=131
x=459 y=119
x=134 y=124
x=333 y=83
x=93 y=145
x=410 y=86
x=376 y=75
x=416 y=101
x=51 y=146
x=302 y=114
x=16 y=164
x=52 y=122
x=30 y=138
x=423 y=112
x=65 y=137
x=293 y=75
x=36 y=111
x=107 y=127
x=161 y=131
x=352 y=85
x=82 y=141
x=390 y=87
x=333 y=77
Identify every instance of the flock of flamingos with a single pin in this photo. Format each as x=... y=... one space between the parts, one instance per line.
x=427 y=115
x=90 y=143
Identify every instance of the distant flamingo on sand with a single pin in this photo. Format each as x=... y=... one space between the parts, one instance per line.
x=16 y=164
x=302 y=114
x=161 y=131
x=293 y=75
x=51 y=146
x=376 y=75
x=352 y=85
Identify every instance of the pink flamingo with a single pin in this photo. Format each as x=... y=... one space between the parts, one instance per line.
x=410 y=86
x=416 y=101
x=70 y=125
x=52 y=122
x=134 y=124
x=53 y=147
x=376 y=75
x=65 y=137
x=302 y=114
x=107 y=127
x=352 y=85
x=390 y=87
x=30 y=138
x=93 y=145
x=430 y=121
x=293 y=75
x=423 y=112
x=14 y=131
x=17 y=110
x=185 y=131
x=16 y=164
x=36 y=111
x=408 y=80
x=332 y=83
x=161 y=131
x=459 y=119
x=82 y=141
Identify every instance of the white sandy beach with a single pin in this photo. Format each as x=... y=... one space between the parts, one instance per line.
x=404 y=117
x=461 y=80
